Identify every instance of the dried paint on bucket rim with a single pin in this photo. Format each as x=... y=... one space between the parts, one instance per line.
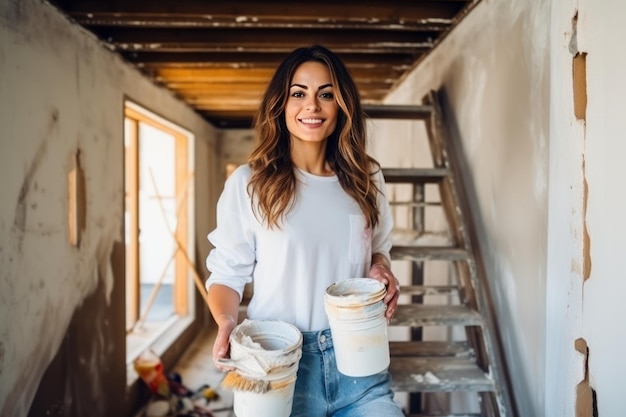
x=262 y=347
x=355 y=299
x=355 y=292
x=271 y=349
x=355 y=312
x=273 y=337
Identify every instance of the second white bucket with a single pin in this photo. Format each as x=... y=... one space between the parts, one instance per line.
x=356 y=314
x=276 y=347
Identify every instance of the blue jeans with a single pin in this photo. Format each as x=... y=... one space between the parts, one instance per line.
x=322 y=391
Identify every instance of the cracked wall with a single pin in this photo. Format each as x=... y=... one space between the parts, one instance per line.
x=587 y=222
x=600 y=31
x=62 y=95
x=537 y=89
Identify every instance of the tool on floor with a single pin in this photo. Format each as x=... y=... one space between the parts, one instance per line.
x=149 y=367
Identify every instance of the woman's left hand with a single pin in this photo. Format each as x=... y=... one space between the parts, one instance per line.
x=382 y=273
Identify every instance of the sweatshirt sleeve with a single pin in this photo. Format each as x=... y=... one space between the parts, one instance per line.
x=381 y=235
x=233 y=258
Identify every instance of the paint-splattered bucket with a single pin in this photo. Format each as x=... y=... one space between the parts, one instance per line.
x=356 y=313
x=274 y=347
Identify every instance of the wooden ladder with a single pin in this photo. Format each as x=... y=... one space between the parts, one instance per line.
x=472 y=364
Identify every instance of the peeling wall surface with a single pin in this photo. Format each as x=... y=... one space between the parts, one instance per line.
x=547 y=187
x=494 y=73
x=601 y=34
x=61 y=92
x=564 y=289
x=587 y=276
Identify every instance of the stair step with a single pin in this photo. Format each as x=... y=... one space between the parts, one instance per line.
x=436 y=374
x=414 y=175
x=412 y=238
x=445 y=415
x=415 y=204
x=430 y=348
x=418 y=315
x=429 y=290
x=392 y=111
x=428 y=253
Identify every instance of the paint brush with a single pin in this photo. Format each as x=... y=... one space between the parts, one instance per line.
x=246 y=374
x=237 y=382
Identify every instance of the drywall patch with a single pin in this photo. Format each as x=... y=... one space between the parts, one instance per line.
x=586 y=399
x=579 y=79
x=579 y=73
x=579 y=69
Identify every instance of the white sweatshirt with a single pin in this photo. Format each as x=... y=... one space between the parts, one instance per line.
x=323 y=239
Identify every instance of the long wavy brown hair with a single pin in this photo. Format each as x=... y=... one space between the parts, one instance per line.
x=273 y=183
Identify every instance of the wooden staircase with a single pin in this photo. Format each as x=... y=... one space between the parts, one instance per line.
x=468 y=361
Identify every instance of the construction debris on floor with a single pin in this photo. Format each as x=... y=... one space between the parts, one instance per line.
x=171 y=397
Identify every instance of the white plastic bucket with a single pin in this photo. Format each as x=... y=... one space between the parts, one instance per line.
x=356 y=314
x=277 y=347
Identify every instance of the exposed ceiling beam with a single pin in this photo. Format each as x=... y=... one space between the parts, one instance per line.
x=253 y=59
x=391 y=11
x=271 y=40
x=219 y=55
x=244 y=75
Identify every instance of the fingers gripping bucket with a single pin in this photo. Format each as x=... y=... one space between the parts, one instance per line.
x=272 y=349
x=356 y=314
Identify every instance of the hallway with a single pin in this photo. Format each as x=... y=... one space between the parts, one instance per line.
x=535 y=89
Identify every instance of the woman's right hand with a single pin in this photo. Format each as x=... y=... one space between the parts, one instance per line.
x=221 y=346
x=224 y=305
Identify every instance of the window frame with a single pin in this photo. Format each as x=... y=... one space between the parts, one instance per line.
x=183 y=297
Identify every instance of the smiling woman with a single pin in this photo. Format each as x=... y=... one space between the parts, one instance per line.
x=307 y=210
x=311 y=109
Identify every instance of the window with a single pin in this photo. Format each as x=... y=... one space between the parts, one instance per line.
x=158 y=230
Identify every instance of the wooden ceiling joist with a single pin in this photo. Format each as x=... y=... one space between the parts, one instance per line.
x=269 y=59
x=390 y=11
x=269 y=40
x=218 y=56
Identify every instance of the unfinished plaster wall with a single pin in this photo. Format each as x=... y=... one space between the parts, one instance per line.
x=601 y=34
x=62 y=93
x=586 y=272
x=494 y=75
x=234 y=146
